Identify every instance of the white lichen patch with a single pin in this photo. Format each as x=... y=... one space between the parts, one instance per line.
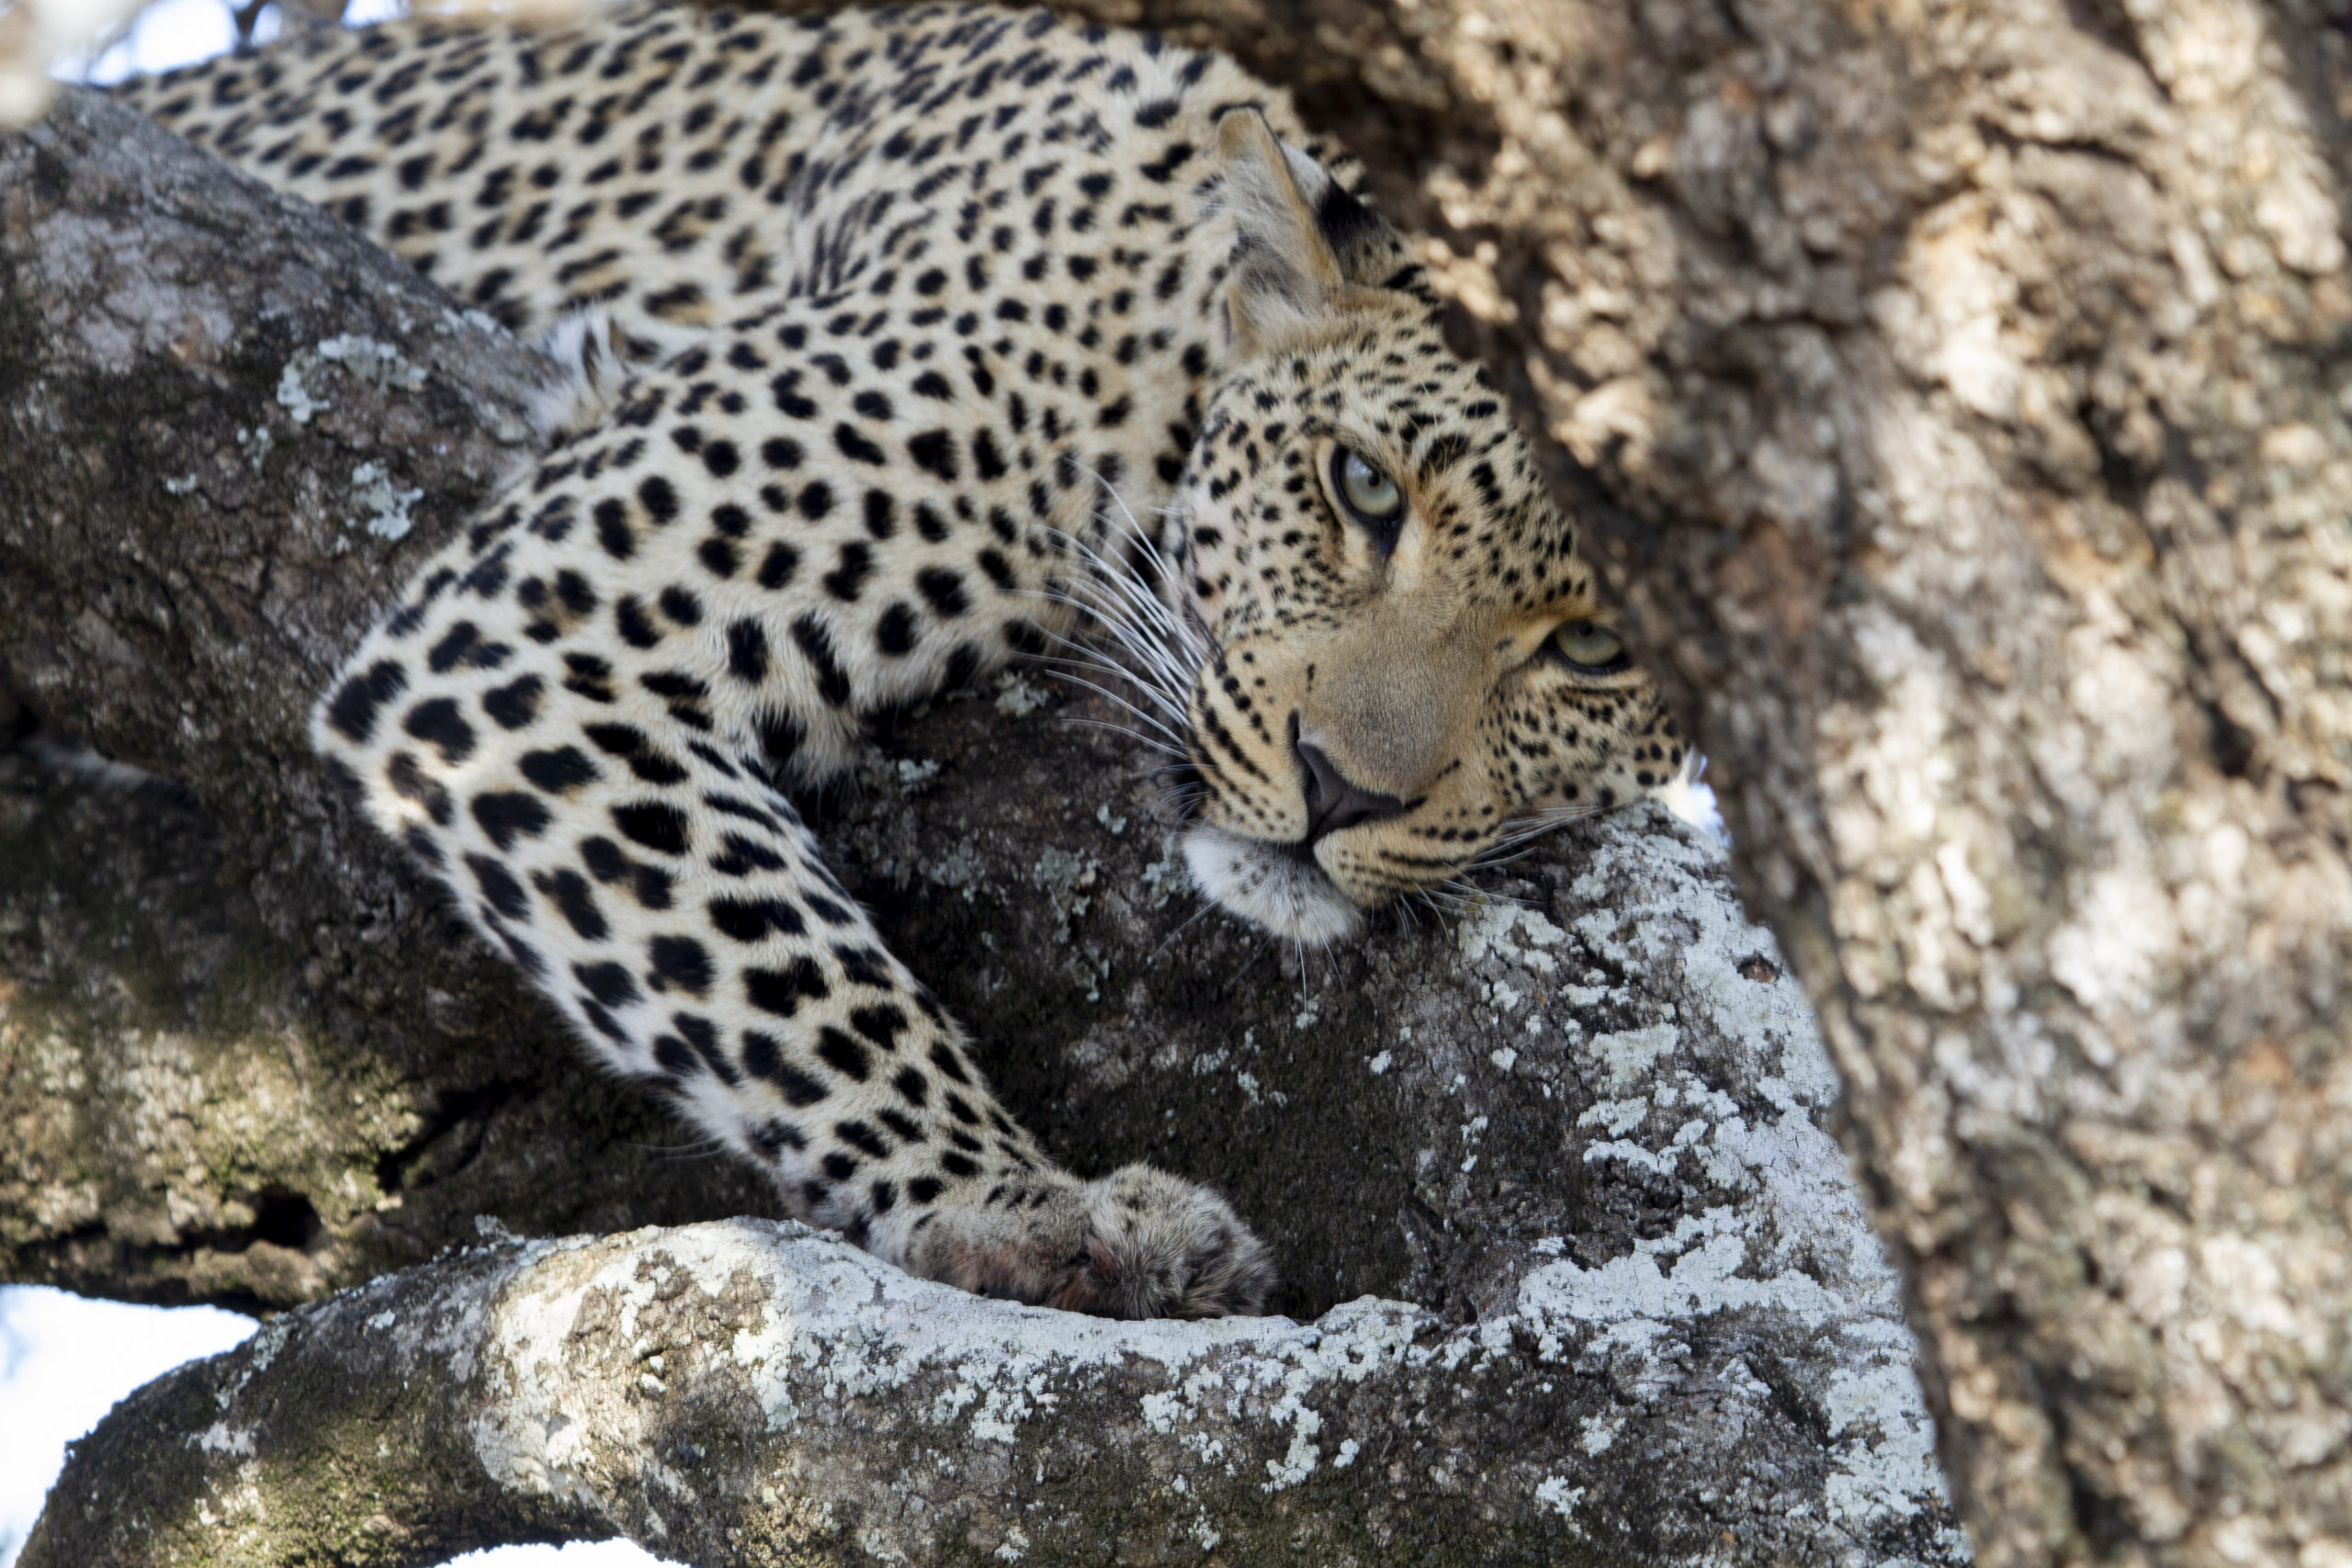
x=1633 y=1300
x=295 y=397
x=1512 y=933
x=962 y=868
x=1060 y=874
x=1559 y=1496
x=256 y=1353
x=1068 y=880
x=1795 y=1189
x=1304 y=1456
x=1017 y=695
x=380 y=507
x=372 y=363
x=1626 y=1056
x=221 y=1439
x=1886 y=1445
x=365 y=360
x=1616 y=1117
x=1166 y=878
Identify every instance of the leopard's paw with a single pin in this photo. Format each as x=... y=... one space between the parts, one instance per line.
x=1138 y=1243
x=1160 y=1247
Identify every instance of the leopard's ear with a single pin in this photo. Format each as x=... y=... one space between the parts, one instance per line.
x=1302 y=237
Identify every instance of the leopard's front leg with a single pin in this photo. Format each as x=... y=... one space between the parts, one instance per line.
x=568 y=721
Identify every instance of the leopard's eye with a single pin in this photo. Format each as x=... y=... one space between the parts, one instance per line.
x=1371 y=495
x=1589 y=648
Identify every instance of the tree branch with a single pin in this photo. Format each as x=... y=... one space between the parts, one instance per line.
x=239 y=1044
x=750 y=1392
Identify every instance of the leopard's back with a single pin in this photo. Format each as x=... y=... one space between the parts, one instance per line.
x=674 y=165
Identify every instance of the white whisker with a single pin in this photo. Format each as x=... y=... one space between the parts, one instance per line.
x=1173 y=737
x=1251 y=961
x=1086 y=658
x=1516 y=838
x=1190 y=921
x=1147 y=743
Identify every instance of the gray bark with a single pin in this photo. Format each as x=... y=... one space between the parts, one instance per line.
x=217 y=406
x=747 y=1392
x=1580 y=1122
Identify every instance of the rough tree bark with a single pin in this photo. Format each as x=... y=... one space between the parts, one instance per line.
x=245 y=1056
x=1966 y=384
x=1961 y=387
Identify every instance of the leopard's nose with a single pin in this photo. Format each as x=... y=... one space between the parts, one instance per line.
x=1333 y=803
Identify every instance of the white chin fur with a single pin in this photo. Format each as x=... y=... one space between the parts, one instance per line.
x=1261 y=883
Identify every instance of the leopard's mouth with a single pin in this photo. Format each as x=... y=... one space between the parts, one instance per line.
x=1278 y=888
x=1273 y=886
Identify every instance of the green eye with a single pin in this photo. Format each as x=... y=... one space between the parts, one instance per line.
x=1371 y=495
x=1589 y=647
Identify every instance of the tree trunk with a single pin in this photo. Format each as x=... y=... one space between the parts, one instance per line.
x=1964 y=389
x=249 y=1057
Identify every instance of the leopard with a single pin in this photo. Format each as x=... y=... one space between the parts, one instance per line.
x=896 y=346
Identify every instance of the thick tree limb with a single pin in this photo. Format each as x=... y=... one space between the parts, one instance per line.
x=252 y=1059
x=220 y=410
x=742 y=1393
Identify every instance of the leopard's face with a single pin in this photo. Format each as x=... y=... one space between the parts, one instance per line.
x=1404 y=666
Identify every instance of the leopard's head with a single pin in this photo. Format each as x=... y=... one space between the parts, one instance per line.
x=1404 y=665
